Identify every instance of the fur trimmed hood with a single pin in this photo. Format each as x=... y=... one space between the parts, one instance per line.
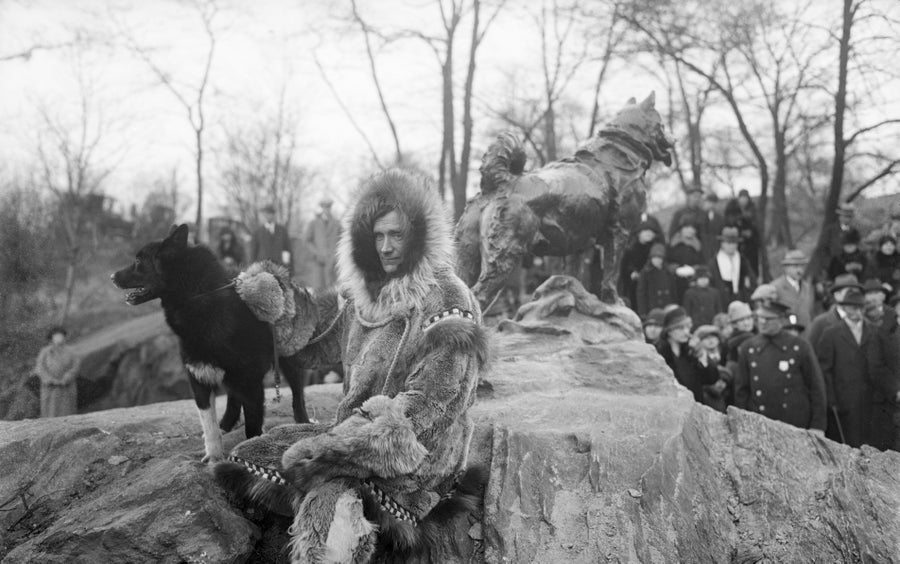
x=429 y=249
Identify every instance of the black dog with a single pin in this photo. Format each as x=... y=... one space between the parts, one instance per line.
x=222 y=342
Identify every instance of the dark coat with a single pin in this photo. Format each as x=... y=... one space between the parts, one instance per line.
x=851 y=371
x=268 y=246
x=702 y=304
x=814 y=330
x=710 y=237
x=848 y=263
x=734 y=342
x=689 y=371
x=681 y=254
x=655 y=288
x=745 y=288
x=886 y=268
x=780 y=378
x=633 y=260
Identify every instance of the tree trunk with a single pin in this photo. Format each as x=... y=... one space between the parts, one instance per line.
x=781 y=229
x=70 y=284
x=817 y=263
x=198 y=236
x=459 y=187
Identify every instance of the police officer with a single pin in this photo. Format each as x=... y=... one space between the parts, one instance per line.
x=778 y=375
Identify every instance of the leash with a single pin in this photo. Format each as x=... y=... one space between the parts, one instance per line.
x=231 y=284
x=330 y=327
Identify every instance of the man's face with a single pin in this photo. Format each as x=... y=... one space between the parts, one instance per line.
x=390 y=241
x=850 y=248
x=268 y=217
x=769 y=323
x=728 y=247
x=703 y=281
x=657 y=262
x=646 y=235
x=794 y=271
x=875 y=299
x=888 y=247
x=854 y=313
x=688 y=233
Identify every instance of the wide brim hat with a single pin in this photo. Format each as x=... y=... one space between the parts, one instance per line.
x=730 y=234
x=705 y=331
x=701 y=271
x=850 y=237
x=675 y=317
x=875 y=285
x=655 y=316
x=738 y=310
x=795 y=257
x=892 y=301
x=268 y=208
x=842 y=281
x=854 y=297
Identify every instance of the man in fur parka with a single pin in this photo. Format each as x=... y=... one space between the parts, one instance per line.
x=412 y=347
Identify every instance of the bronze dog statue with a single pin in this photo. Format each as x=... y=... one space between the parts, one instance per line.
x=564 y=208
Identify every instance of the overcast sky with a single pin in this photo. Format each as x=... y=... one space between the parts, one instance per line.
x=261 y=47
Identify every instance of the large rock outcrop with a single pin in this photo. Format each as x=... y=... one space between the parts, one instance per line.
x=596 y=454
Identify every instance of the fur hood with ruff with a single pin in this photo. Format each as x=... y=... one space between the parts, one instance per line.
x=429 y=245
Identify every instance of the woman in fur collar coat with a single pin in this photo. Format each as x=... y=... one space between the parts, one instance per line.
x=412 y=346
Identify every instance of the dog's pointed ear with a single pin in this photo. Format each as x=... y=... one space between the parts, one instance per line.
x=649 y=102
x=631 y=101
x=177 y=237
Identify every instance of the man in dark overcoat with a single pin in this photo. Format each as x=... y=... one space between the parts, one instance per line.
x=851 y=357
x=777 y=373
x=834 y=315
x=270 y=240
x=730 y=271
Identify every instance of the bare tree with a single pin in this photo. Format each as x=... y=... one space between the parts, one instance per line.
x=191 y=98
x=258 y=168
x=72 y=168
x=856 y=14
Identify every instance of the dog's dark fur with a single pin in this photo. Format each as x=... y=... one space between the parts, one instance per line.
x=214 y=327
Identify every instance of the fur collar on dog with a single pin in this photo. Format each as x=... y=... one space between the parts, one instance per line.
x=429 y=248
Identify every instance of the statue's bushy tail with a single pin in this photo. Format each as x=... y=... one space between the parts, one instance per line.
x=503 y=161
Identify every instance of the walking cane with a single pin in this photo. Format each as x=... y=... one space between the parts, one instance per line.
x=837 y=421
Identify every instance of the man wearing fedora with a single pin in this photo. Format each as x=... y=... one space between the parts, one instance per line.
x=777 y=373
x=886 y=396
x=270 y=240
x=842 y=284
x=730 y=272
x=837 y=232
x=692 y=213
x=792 y=290
x=322 y=238
x=851 y=356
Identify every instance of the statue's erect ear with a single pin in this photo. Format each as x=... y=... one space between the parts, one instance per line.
x=177 y=237
x=649 y=102
x=631 y=101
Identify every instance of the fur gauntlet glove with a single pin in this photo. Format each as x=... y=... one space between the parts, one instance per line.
x=377 y=440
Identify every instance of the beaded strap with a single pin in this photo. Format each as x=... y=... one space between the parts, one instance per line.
x=452 y=312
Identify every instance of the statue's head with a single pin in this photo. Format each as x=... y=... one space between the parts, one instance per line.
x=643 y=124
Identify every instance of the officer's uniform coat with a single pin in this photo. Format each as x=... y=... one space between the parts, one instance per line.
x=780 y=378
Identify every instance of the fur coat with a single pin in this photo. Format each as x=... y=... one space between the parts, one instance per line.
x=412 y=347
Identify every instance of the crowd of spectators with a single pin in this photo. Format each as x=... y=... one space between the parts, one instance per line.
x=820 y=351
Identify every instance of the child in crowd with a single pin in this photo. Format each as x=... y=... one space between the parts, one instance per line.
x=656 y=285
x=701 y=301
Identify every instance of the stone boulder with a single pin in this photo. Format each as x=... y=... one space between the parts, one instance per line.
x=595 y=454
x=136 y=362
